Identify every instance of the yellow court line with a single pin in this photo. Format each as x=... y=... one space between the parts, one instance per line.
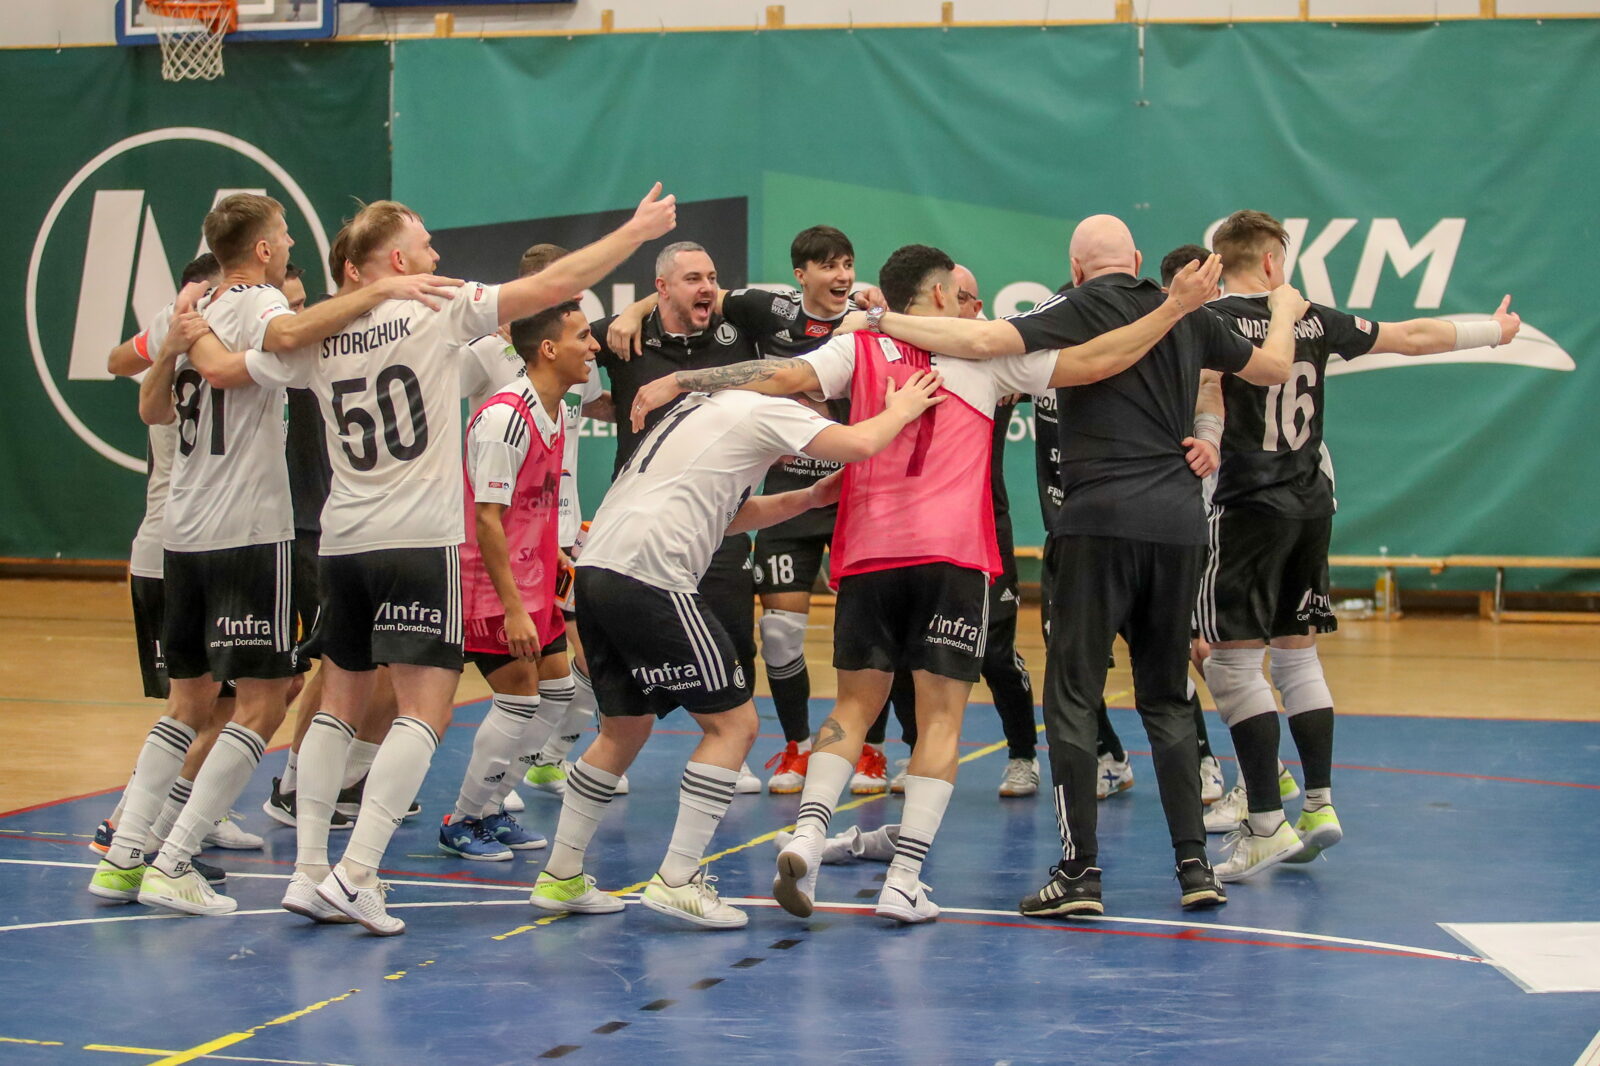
x=32 y=1043
x=766 y=837
x=229 y=1039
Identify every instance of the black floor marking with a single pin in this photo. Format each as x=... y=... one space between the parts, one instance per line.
x=705 y=983
x=784 y=945
x=658 y=1004
x=559 y=1050
x=866 y=893
x=611 y=1027
x=746 y=963
x=880 y=877
x=818 y=926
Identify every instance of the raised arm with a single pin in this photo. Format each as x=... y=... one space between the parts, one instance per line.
x=772 y=377
x=125 y=360
x=1271 y=363
x=290 y=333
x=1429 y=336
x=576 y=271
x=156 y=404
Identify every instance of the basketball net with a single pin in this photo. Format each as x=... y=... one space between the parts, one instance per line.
x=190 y=33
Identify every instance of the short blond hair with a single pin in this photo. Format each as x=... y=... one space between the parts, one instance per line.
x=233 y=227
x=374 y=226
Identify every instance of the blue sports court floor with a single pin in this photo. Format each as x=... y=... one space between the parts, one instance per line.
x=1451 y=825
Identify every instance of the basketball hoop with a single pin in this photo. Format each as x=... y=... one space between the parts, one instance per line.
x=190 y=33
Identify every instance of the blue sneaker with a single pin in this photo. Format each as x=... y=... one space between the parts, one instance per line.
x=102 y=836
x=508 y=831
x=469 y=839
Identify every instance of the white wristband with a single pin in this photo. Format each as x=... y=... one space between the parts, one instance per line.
x=1477 y=334
x=1208 y=427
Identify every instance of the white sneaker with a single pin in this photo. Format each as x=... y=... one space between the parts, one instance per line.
x=1021 y=778
x=365 y=905
x=575 y=895
x=231 y=835
x=1211 y=784
x=622 y=788
x=1252 y=854
x=911 y=906
x=897 y=781
x=301 y=898
x=748 y=784
x=1114 y=776
x=515 y=803
x=795 y=887
x=1226 y=814
x=188 y=892
x=696 y=902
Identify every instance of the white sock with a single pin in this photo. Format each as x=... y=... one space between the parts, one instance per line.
x=1317 y=798
x=589 y=789
x=358 y=761
x=580 y=711
x=397 y=772
x=926 y=799
x=221 y=778
x=498 y=741
x=554 y=699
x=1266 y=823
x=291 y=772
x=177 y=797
x=826 y=776
x=322 y=759
x=116 y=812
x=160 y=761
x=703 y=797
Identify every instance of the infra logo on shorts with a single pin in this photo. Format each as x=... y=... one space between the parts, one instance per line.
x=671 y=677
x=954 y=632
x=248 y=631
x=1313 y=604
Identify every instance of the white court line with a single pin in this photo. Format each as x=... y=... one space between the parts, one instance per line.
x=1591 y=1054
x=243 y=914
x=1288 y=934
x=284 y=877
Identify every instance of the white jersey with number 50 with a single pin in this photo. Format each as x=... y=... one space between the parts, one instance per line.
x=390 y=392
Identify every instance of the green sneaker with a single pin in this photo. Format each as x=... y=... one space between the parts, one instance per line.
x=1288 y=788
x=548 y=777
x=111 y=881
x=575 y=895
x=1319 y=830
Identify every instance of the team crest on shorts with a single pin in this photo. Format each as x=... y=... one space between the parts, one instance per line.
x=738 y=676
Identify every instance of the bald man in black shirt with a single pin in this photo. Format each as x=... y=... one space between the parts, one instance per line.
x=1129 y=540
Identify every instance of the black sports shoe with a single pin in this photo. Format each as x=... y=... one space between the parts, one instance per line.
x=280 y=808
x=215 y=876
x=1063 y=896
x=1199 y=885
x=349 y=805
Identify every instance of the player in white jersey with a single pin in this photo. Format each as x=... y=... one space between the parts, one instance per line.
x=388 y=386
x=653 y=645
x=227 y=537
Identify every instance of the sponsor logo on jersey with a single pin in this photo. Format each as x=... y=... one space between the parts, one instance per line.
x=1363 y=325
x=726 y=333
x=499 y=485
x=818 y=329
x=652 y=342
x=786 y=306
x=106 y=253
x=783 y=335
x=478 y=292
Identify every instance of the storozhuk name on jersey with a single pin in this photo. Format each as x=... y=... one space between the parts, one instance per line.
x=363 y=341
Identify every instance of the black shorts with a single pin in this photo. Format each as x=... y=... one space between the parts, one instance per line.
x=148 y=597
x=1266 y=576
x=729 y=593
x=307 y=595
x=651 y=650
x=788 y=563
x=227 y=612
x=488 y=662
x=398 y=605
x=932 y=617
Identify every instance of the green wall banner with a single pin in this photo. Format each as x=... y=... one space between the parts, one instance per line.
x=110 y=171
x=1413 y=182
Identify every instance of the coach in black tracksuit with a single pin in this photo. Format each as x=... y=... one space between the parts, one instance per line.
x=1129 y=540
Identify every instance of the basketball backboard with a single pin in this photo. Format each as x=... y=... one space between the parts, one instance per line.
x=259 y=20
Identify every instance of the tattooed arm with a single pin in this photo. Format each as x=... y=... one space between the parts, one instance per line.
x=774 y=377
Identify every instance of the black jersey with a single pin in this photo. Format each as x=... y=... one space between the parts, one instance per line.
x=721 y=343
x=1047 y=454
x=1124 y=470
x=1272 y=453
x=783 y=329
x=310 y=473
x=1002 y=499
